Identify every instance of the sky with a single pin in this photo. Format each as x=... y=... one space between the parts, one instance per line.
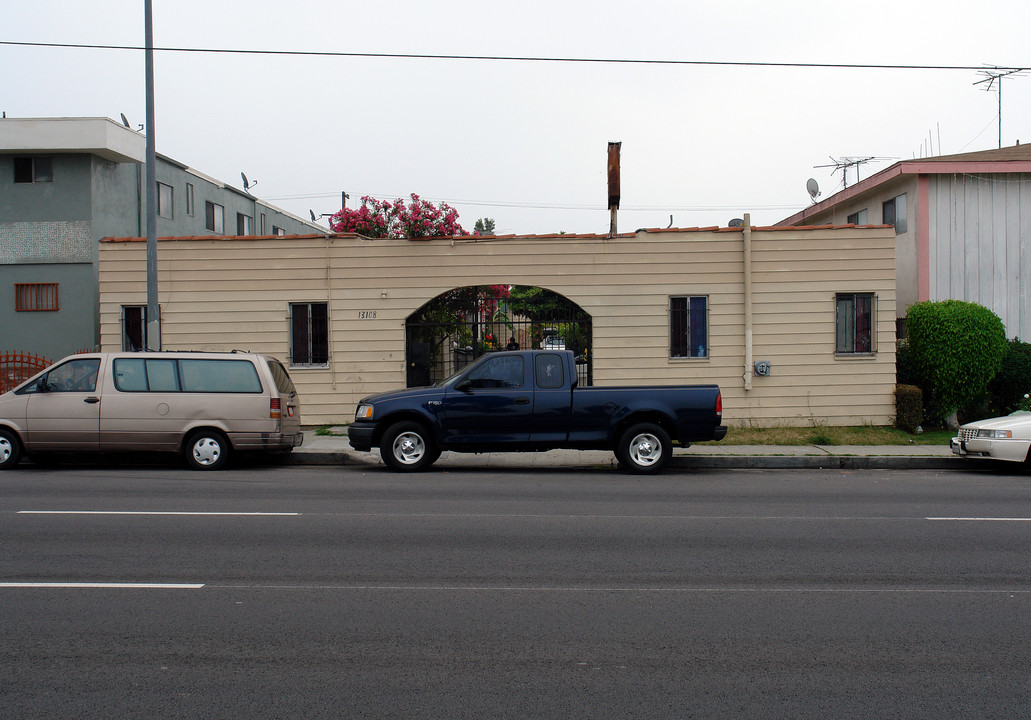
x=525 y=141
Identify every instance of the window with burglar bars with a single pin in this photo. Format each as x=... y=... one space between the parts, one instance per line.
x=688 y=327
x=854 y=323
x=309 y=334
x=35 y=297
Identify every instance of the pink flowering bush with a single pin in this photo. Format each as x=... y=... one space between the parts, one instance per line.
x=381 y=218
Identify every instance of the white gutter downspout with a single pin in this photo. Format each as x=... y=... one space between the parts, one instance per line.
x=747 y=231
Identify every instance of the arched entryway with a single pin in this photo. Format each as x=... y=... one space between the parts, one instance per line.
x=460 y=325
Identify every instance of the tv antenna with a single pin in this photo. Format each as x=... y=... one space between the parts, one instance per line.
x=845 y=163
x=992 y=75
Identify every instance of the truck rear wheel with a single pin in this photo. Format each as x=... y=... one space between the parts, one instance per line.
x=408 y=446
x=644 y=448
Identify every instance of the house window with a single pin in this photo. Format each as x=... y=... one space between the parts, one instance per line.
x=134 y=327
x=214 y=217
x=243 y=224
x=688 y=327
x=894 y=213
x=261 y=225
x=857 y=218
x=276 y=230
x=854 y=323
x=33 y=169
x=164 y=201
x=35 y=297
x=189 y=199
x=309 y=334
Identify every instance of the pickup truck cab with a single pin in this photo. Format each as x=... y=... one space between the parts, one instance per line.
x=529 y=401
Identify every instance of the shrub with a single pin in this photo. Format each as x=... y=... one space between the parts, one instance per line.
x=909 y=407
x=1013 y=380
x=957 y=348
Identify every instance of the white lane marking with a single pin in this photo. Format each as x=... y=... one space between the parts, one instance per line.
x=153 y=512
x=104 y=585
x=981 y=519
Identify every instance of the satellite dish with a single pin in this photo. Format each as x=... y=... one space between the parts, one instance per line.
x=312 y=213
x=814 y=188
x=736 y=222
x=125 y=121
x=247 y=185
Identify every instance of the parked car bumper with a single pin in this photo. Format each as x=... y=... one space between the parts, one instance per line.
x=1011 y=450
x=360 y=436
x=266 y=441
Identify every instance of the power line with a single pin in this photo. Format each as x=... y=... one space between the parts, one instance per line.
x=508 y=58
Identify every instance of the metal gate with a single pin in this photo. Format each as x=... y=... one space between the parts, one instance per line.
x=455 y=328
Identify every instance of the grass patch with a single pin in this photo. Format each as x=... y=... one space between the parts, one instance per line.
x=827 y=435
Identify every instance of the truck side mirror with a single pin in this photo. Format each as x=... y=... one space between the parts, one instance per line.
x=41 y=385
x=464 y=386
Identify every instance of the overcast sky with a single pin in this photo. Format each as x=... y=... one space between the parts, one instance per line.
x=524 y=142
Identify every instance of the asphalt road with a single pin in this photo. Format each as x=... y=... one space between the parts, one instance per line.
x=352 y=592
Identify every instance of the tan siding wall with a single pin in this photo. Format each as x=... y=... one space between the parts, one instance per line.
x=234 y=293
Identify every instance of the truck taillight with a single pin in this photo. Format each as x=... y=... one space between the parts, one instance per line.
x=275 y=410
x=719 y=404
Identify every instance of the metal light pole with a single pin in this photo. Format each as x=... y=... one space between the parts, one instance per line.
x=153 y=310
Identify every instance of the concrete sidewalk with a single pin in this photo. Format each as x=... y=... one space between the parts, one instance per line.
x=335 y=450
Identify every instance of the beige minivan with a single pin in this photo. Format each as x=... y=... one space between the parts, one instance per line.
x=204 y=405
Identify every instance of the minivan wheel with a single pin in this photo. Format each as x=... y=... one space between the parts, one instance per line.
x=10 y=450
x=644 y=449
x=207 y=450
x=408 y=447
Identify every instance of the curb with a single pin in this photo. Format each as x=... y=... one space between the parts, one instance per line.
x=706 y=462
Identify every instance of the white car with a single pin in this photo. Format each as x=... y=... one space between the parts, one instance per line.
x=1001 y=438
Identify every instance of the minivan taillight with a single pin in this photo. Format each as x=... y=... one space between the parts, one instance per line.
x=275 y=410
x=719 y=405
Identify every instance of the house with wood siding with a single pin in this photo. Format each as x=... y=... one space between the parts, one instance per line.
x=798 y=322
x=963 y=226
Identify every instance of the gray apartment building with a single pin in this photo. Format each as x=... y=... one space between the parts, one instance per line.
x=65 y=183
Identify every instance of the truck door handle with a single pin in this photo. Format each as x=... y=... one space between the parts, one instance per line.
x=522 y=401
x=91 y=400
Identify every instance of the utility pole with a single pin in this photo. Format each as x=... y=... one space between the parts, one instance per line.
x=153 y=309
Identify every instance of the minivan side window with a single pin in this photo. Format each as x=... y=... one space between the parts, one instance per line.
x=283 y=382
x=146 y=375
x=163 y=375
x=228 y=376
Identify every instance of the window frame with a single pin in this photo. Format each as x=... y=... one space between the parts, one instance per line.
x=214 y=217
x=128 y=344
x=40 y=169
x=36 y=297
x=859 y=217
x=682 y=337
x=852 y=333
x=165 y=205
x=899 y=220
x=190 y=209
x=244 y=224
x=303 y=331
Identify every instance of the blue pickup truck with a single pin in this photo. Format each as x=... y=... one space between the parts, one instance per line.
x=529 y=401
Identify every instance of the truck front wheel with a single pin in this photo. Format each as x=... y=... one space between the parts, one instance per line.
x=408 y=447
x=644 y=448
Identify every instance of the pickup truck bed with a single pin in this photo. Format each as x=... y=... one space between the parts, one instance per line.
x=528 y=401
